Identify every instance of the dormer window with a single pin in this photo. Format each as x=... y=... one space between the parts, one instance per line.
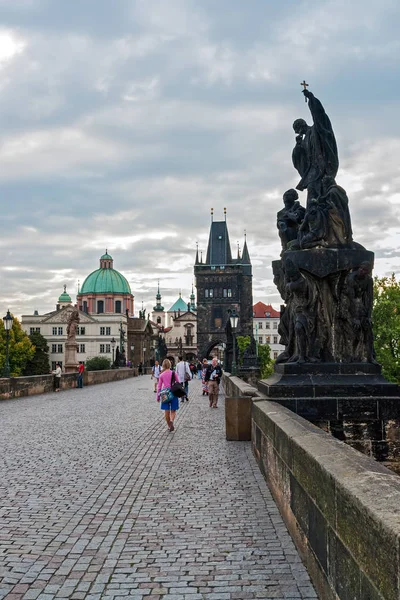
x=267 y=314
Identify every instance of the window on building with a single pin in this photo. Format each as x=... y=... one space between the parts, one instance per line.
x=81 y=348
x=267 y=325
x=118 y=306
x=35 y=329
x=260 y=325
x=275 y=325
x=225 y=293
x=60 y=331
x=229 y=293
x=85 y=306
x=81 y=330
x=206 y=293
x=54 y=330
x=260 y=339
x=102 y=348
x=59 y=348
x=217 y=317
x=275 y=339
x=54 y=364
x=275 y=355
x=268 y=339
x=108 y=330
x=108 y=348
x=211 y=293
x=100 y=306
x=102 y=331
x=54 y=348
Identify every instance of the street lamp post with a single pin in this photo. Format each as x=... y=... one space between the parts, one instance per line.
x=132 y=353
x=234 y=319
x=8 y=323
x=113 y=342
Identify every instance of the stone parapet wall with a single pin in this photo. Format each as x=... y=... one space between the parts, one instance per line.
x=340 y=506
x=16 y=387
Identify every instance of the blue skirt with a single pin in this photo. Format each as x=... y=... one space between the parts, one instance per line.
x=171 y=405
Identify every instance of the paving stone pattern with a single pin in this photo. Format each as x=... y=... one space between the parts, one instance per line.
x=100 y=501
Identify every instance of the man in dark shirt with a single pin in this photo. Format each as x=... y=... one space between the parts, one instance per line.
x=213 y=377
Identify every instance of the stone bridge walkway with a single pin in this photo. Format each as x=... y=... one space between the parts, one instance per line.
x=99 y=501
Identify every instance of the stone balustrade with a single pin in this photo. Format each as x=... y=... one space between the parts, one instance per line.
x=16 y=387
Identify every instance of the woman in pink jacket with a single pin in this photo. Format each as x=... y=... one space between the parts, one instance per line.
x=166 y=380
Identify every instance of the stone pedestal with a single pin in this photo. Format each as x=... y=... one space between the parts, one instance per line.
x=71 y=361
x=238 y=418
x=352 y=401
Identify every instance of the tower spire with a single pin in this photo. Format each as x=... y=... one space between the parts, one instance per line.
x=245 y=254
x=158 y=307
x=192 y=300
x=196 y=262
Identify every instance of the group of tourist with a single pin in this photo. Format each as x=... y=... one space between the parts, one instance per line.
x=172 y=385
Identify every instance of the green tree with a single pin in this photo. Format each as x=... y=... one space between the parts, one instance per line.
x=386 y=325
x=39 y=364
x=243 y=341
x=21 y=349
x=98 y=363
x=266 y=362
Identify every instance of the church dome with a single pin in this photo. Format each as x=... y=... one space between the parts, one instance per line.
x=105 y=280
x=65 y=297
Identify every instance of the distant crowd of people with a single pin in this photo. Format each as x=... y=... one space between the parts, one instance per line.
x=172 y=384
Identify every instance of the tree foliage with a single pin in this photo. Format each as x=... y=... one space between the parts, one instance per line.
x=98 y=363
x=266 y=362
x=386 y=325
x=39 y=363
x=21 y=349
x=243 y=341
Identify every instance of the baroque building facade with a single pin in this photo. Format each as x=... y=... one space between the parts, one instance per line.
x=104 y=302
x=177 y=326
x=223 y=284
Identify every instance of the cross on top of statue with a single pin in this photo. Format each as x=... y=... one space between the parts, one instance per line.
x=305 y=86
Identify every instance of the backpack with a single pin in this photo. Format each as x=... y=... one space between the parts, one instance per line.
x=166 y=394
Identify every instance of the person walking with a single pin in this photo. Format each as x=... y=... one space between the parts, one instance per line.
x=166 y=381
x=81 y=368
x=184 y=374
x=199 y=367
x=213 y=376
x=204 y=383
x=140 y=368
x=57 y=377
x=156 y=372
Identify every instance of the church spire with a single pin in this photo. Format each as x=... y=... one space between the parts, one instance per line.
x=158 y=307
x=192 y=300
x=245 y=254
x=196 y=262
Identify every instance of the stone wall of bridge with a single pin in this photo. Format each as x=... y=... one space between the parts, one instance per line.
x=16 y=387
x=340 y=506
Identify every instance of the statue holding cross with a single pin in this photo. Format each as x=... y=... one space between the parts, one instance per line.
x=315 y=153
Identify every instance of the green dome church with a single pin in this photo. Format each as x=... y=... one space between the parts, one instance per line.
x=106 y=290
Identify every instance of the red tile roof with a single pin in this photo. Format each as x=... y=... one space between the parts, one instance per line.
x=260 y=309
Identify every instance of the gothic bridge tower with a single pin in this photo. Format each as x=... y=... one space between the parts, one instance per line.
x=222 y=283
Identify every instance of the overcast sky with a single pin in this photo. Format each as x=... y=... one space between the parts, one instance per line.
x=124 y=121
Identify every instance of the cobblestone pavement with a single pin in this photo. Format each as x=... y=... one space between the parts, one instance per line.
x=100 y=501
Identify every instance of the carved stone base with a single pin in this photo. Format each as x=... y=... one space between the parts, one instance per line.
x=333 y=391
x=71 y=361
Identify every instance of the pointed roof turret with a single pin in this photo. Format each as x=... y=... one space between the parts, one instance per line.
x=158 y=307
x=245 y=254
x=219 y=248
x=192 y=300
x=197 y=262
